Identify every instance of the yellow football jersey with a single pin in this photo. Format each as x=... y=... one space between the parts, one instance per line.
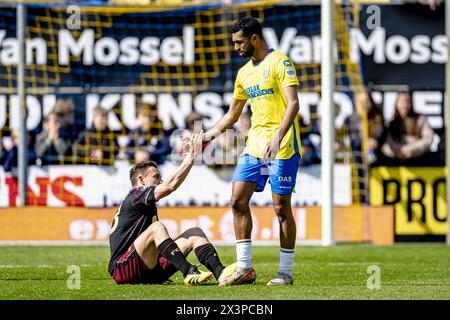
x=263 y=84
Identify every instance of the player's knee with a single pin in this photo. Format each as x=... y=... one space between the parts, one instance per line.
x=283 y=212
x=157 y=229
x=155 y=226
x=195 y=232
x=239 y=206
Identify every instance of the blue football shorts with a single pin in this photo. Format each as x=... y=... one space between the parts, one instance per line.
x=282 y=173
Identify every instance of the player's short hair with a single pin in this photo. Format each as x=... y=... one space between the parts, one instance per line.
x=139 y=169
x=249 y=26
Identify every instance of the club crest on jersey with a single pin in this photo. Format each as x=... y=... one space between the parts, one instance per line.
x=290 y=72
x=287 y=63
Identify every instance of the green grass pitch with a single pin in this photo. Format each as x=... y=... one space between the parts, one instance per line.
x=408 y=271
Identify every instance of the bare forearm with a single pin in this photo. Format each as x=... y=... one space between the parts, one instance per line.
x=223 y=124
x=227 y=121
x=176 y=179
x=180 y=174
x=288 y=118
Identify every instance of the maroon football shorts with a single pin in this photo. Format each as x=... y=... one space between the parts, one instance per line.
x=131 y=269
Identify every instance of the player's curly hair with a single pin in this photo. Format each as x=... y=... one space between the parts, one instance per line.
x=139 y=169
x=249 y=26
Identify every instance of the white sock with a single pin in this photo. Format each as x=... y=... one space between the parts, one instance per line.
x=244 y=253
x=286 y=260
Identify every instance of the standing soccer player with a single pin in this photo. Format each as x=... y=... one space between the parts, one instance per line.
x=272 y=149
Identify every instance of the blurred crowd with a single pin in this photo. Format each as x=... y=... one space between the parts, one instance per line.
x=407 y=138
x=365 y=138
x=64 y=141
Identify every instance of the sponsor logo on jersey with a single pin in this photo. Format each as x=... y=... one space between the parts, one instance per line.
x=255 y=91
x=284 y=179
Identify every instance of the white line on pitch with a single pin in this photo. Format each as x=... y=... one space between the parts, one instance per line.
x=352 y=263
x=49 y=266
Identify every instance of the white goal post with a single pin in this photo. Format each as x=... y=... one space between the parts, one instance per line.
x=447 y=116
x=327 y=106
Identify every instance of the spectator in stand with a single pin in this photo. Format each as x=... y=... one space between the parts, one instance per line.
x=64 y=108
x=10 y=151
x=310 y=145
x=148 y=141
x=193 y=121
x=97 y=145
x=376 y=126
x=409 y=134
x=368 y=116
x=433 y=4
x=50 y=147
x=365 y=107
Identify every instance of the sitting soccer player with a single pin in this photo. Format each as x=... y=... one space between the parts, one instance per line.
x=141 y=248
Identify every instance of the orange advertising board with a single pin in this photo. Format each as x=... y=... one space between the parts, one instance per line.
x=86 y=225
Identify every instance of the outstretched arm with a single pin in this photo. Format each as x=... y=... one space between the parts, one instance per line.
x=176 y=179
x=227 y=120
